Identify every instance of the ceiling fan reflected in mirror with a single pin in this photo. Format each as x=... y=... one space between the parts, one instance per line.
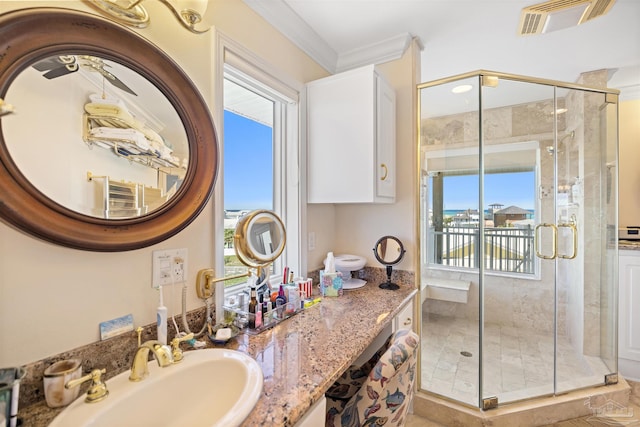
x=57 y=66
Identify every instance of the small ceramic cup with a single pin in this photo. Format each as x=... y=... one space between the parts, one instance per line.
x=55 y=377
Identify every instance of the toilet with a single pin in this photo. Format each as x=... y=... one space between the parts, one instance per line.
x=347 y=263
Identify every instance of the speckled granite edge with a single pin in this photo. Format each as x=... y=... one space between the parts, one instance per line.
x=629 y=246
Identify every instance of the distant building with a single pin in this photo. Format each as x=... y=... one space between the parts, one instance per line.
x=505 y=217
x=494 y=207
x=466 y=218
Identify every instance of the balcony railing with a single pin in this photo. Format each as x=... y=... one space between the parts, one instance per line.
x=505 y=249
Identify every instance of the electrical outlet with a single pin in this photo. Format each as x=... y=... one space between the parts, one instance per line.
x=312 y=240
x=169 y=267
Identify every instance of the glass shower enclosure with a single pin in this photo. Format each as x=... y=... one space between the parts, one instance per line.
x=518 y=237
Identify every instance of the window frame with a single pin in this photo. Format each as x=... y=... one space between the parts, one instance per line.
x=289 y=170
x=491 y=149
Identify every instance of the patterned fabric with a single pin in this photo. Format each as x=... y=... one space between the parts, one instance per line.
x=381 y=397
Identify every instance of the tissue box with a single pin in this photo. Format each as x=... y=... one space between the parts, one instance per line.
x=331 y=284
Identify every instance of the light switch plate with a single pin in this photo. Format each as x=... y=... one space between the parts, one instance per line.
x=169 y=267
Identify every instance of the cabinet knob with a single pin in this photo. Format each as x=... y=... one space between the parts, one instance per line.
x=407 y=322
x=386 y=171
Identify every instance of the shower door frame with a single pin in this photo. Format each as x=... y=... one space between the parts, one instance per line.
x=611 y=97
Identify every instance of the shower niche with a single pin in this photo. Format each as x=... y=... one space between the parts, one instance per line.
x=518 y=197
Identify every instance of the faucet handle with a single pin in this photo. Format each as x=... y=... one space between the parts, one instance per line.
x=139 y=330
x=98 y=389
x=175 y=346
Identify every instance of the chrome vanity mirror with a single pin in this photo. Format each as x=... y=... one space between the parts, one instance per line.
x=259 y=239
x=389 y=251
x=112 y=147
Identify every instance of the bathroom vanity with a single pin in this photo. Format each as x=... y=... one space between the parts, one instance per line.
x=302 y=357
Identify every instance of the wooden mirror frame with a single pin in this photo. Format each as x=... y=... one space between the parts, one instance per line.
x=30 y=35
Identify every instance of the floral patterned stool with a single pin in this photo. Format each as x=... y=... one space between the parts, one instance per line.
x=380 y=391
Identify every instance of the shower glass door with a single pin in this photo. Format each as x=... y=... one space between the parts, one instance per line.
x=518 y=223
x=450 y=214
x=585 y=154
x=518 y=278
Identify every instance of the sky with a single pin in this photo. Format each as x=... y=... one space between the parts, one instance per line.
x=517 y=189
x=248 y=164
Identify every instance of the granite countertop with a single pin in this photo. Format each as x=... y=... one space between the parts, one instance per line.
x=629 y=245
x=302 y=356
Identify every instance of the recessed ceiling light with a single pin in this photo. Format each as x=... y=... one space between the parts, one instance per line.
x=462 y=89
x=561 y=110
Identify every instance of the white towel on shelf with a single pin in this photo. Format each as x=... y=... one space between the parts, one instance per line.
x=98 y=99
x=131 y=135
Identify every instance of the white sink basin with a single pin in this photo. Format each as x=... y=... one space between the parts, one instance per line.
x=211 y=387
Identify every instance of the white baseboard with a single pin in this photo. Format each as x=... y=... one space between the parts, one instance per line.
x=629 y=369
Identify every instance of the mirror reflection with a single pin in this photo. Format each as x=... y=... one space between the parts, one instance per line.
x=389 y=251
x=95 y=136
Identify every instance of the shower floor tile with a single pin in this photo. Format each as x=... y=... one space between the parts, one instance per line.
x=518 y=363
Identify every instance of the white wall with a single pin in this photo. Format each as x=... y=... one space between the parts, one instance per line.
x=53 y=298
x=629 y=173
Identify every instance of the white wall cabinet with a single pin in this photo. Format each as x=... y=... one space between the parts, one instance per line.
x=629 y=315
x=351 y=128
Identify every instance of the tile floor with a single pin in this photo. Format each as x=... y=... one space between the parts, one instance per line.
x=518 y=363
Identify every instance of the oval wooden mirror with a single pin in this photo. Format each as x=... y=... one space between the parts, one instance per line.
x=39 y=37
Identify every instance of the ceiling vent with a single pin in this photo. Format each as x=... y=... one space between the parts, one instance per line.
x=558 y=14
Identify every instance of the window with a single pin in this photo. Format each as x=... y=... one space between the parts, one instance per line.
x=260 y=151
x=453 y=216
x=249 y=147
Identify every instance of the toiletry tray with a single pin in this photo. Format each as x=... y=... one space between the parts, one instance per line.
x=240 y=316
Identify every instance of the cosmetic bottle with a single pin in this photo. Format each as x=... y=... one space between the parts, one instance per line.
x=282 y=298
x=263 y=307
x=253 y=303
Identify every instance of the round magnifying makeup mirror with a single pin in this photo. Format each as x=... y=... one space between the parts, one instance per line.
x=389 y=251
x=259 y=239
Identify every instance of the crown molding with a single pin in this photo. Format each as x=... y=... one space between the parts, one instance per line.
x=375 y=53
x=629 y=93
x=280 y=15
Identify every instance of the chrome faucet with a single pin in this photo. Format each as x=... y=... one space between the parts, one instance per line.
x=139 y=368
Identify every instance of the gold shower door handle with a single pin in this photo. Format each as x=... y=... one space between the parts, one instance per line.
x=554 y=241
x=574 y=231
x=386 y=171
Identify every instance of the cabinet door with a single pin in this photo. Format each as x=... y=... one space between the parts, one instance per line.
x=404 y=319
x=315 y=416
x=341 y=129
x=385 y=141
x=629 y=325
